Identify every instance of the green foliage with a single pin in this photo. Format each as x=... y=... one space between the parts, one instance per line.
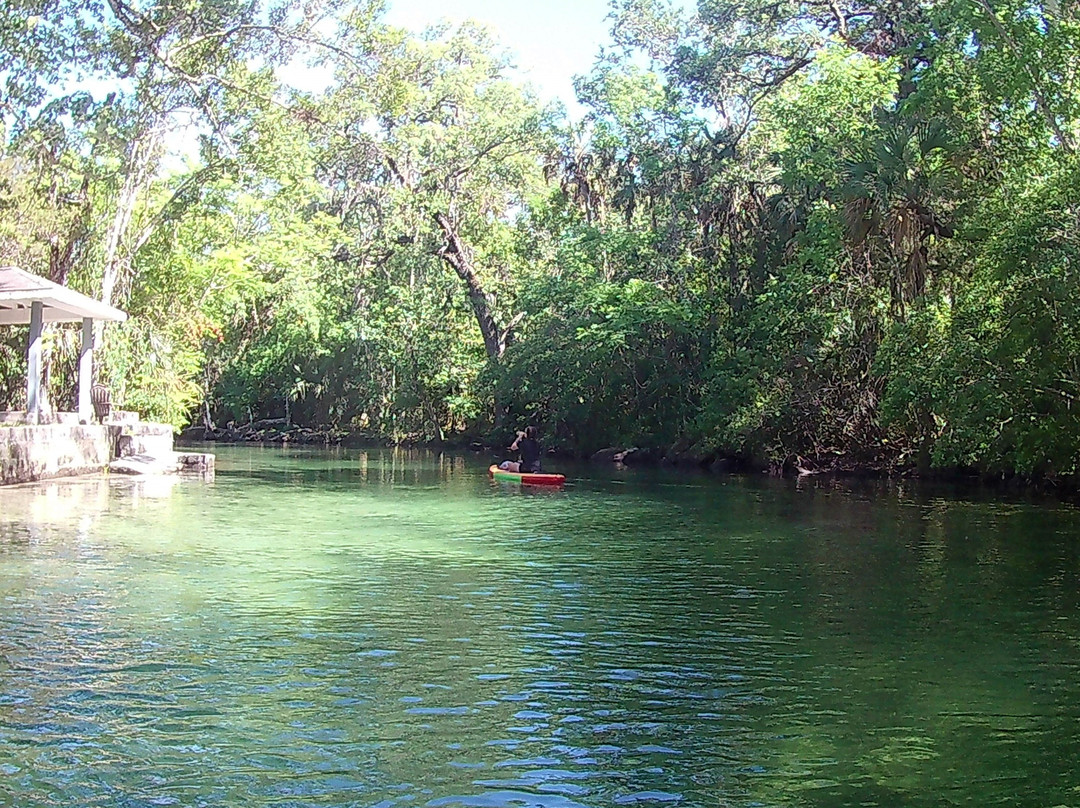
x=998 y=369
x=823 y=233
x=790 y=377
x=815 y=119
x=152 y=370
x=611 y=364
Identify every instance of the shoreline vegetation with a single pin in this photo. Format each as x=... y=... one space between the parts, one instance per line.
x=276 y=432
x=820 y=237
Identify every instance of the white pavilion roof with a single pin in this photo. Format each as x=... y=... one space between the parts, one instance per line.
x=19 y=289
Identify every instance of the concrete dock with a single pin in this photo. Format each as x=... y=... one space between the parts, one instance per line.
x=63 y=447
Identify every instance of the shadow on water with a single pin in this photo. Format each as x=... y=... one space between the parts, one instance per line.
x=393 y=628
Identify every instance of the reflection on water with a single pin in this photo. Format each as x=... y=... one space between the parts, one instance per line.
x=395 y=629
x=76 y=499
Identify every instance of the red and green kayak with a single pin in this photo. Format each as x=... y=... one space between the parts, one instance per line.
x=526 y=479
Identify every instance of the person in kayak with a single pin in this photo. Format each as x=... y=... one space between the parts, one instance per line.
x=528 y=449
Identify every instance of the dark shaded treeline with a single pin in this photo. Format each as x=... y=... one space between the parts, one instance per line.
x=816 y=236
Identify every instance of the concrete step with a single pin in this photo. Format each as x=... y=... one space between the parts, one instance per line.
x=165 y=463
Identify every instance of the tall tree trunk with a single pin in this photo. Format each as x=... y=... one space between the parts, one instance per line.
x=64 y=247
x=139 y=171
x=456 y=255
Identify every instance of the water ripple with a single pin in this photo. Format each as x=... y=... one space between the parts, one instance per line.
x=415 y=637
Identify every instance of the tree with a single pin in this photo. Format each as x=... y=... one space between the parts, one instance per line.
x=459 y=140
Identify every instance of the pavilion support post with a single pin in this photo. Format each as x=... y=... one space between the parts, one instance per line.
x=86 y=370
x=33 y=365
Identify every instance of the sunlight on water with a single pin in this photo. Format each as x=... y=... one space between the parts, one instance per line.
x=391 y=628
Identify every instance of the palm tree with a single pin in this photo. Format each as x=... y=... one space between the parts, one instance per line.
x=897 y=196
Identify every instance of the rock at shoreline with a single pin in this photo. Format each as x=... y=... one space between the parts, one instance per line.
x=607 y=456
x=268 y=431
x=686 y=453
x=169 y=463
x=640 y=457
x=723 y=465
x=634 y=456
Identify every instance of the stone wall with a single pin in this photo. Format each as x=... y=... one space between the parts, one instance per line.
x=52 y=450
x=30 y=453
x=147 y=438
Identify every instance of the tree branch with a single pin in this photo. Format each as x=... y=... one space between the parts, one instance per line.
x=1025 y=64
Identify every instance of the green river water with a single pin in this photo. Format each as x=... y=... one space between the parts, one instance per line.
x=392 y=629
